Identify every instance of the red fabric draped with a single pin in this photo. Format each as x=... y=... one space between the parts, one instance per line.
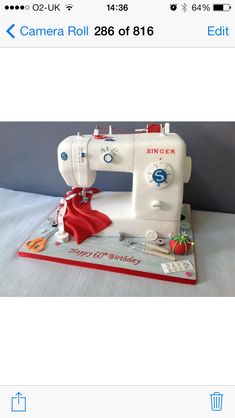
x=80 y=220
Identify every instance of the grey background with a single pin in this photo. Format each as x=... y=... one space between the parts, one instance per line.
x=28 y=159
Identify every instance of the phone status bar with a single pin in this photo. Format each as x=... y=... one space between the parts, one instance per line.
x=129 y=24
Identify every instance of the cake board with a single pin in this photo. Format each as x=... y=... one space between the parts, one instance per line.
x=110 y=254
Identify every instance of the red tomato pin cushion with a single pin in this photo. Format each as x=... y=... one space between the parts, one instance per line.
x=180 y=244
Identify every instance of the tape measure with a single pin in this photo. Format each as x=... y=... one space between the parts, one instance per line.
x=62 y=236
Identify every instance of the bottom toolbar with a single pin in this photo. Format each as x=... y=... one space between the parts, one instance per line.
x=117 y=401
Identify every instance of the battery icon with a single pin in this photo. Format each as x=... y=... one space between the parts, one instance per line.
x=221 y=7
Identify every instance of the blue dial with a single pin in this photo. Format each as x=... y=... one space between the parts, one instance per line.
x=159 y=176
x=64 y=156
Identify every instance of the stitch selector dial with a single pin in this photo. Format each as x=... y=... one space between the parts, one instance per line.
x=108 y=154
x=159 y=174
x=108 y=157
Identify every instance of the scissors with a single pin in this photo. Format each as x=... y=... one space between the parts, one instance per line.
x=39 y=244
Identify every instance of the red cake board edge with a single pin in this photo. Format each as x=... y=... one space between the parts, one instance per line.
x=109 y=268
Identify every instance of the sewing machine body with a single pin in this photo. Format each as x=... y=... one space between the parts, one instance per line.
x=159 y=165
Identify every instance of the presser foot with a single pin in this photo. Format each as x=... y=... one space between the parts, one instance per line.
x=84 y=194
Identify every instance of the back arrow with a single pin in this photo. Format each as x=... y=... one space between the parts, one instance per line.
x=9 y=31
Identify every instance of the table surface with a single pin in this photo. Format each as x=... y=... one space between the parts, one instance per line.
x=21 y=213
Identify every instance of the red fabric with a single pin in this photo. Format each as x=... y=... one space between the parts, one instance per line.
x=80 y=220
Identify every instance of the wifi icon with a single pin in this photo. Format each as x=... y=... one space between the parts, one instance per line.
x=69 y=6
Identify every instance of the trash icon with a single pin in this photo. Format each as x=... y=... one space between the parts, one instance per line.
x=216 y=401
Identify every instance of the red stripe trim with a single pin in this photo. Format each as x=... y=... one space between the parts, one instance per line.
x=108 y=268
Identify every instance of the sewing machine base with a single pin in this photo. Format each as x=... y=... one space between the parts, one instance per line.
x=117 y=206
x=107 y=253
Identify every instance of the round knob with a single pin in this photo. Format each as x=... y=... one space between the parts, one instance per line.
x=159 y=174
x=108 y=157
x=64 y=156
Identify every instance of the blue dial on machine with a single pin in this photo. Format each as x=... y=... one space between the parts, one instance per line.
x=64 y=156
x=159 y=174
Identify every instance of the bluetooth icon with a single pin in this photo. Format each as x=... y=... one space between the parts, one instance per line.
x=184 y=7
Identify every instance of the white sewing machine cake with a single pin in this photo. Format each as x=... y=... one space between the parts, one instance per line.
x=92 y=228
x=160 y=167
